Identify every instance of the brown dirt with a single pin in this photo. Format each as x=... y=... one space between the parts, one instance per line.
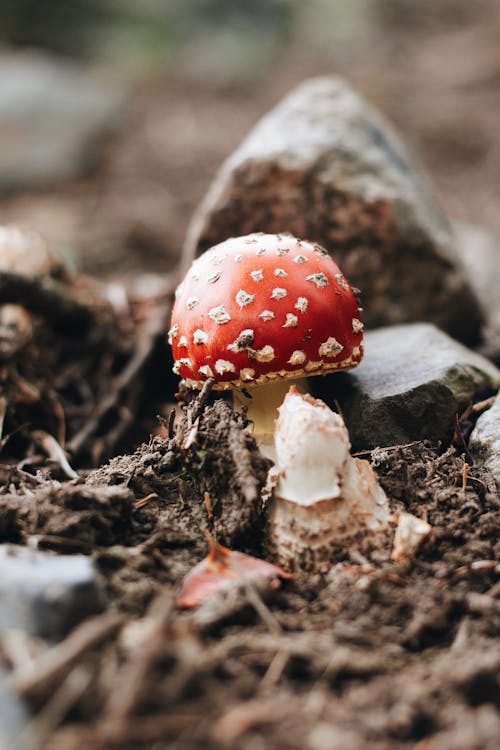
x=376 y=654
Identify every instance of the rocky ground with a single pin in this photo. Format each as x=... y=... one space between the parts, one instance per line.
x=96 y=534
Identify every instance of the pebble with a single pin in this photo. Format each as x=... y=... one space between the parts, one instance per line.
x=412 y=382
x=484 y=441
x=46 y=595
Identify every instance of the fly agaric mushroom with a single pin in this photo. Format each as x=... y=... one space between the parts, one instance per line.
x=254 y=312
x=324 y=499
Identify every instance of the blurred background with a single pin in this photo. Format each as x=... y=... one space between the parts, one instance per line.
x=116 y=114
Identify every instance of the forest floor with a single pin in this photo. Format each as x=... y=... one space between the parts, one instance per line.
x=374 y=654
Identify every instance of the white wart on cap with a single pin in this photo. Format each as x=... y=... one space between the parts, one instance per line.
x=264 y=307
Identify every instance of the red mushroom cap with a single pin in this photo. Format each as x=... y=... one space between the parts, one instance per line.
x=263 y=307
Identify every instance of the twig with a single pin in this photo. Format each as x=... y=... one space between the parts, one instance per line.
x=54 y=711
x=258 y=603
x=145 y=500
x=131 y=678
x=53 y=665
x=54 y=452
x=482 y=405
x=201 y=400
x=45 y=297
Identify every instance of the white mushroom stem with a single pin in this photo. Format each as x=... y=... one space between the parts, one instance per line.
x=324 y=499
x=262 y=404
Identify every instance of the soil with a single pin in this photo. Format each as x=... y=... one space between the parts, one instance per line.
x=374 y=654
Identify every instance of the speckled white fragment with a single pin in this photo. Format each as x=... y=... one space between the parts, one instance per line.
x=341 y=280
x=278 y=293
x=200 y=337
x=192 y=302
x=238 y=258
x=182 y=362
x=222 y=366
x=318 y=278
x=247 y=374
x=357 y=325
x=219 y=315
x=280 y=272
x=257 y=275
x=266 y=315
x=330 y=348
x=183 y=341
x=243 y=342
x=301 y=304
x=206 y=370
x=298 y=358
x=283 y=250
x=266 y=354
x=214 y=277
x=300 y=259
x=291 y=321
x=261 y=251
x=173 y=333
x=244 y=298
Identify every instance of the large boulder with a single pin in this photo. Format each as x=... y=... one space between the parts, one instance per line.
x=326 y=166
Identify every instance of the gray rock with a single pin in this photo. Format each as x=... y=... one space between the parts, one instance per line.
x=327 y=167
x=14 y=714
x=46 y=594
x=53 y=117
x=411 y=383
x=479 y=250
x=484 y=441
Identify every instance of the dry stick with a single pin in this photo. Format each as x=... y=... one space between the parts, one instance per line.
x=138 y=729
x=132 y=676
x=200 y=402
x=54 y=711
x=45 y=297
x=258 y=603
x=146 y=337
x=54 y=664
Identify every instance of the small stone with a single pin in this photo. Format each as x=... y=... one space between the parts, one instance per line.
x=484 y=441
x=412 y=382
x=410 y=535
x=480 y=253
x=328 y=167
x=45 y=594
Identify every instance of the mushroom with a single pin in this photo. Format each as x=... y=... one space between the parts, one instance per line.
x=324 y=499
x=254 y=312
